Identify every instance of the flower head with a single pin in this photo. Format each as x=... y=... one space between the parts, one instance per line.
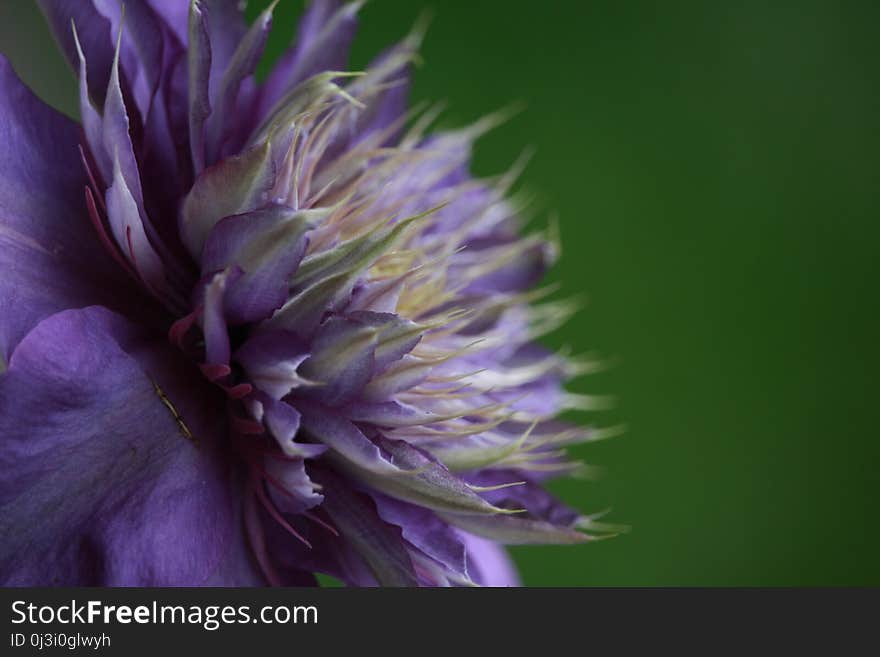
x=257 y=331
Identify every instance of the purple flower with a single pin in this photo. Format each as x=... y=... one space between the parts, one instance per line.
x=255 y=332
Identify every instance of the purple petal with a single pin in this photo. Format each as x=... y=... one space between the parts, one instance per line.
x=325 y=34
x=174 y=14
x=226 y=30
x=94 y=35
x=488 y=563
x=238 y=567
x=50 y=256
x=150 y=74
x=133 y=231
x=116 y=137
x=91 y=118
x=343 y=437
x=385 y=92
x=428 y=484
x=529 y=496
x=518 y=275
x=391 y=414
x=546 y=521
x=157 y=64
x=267 y=245
x=378 y=296
x=217 y=346
x=401 y=375
x=342 y=360
x=142 y=44
x=241 y=67
x=515 y=530
x=232 y=186
x=379 y=543
x=216 y=29
x=100 y=483
x=283 y=421
x=291 y=488
x=303 y=313
x=199 y=58
x=426 y=532
x=327 y=279
x=128 y=230
x=271 y=360
x=396 y=336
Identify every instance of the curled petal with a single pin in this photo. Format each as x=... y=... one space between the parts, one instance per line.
x=290 y=486
x=272 y=360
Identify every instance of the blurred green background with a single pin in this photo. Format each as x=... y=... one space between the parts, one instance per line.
x=714 y=169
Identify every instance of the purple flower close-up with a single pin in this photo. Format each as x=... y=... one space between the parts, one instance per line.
x=254 y=331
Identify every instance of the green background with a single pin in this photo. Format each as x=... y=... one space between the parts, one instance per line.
x=714 y=169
